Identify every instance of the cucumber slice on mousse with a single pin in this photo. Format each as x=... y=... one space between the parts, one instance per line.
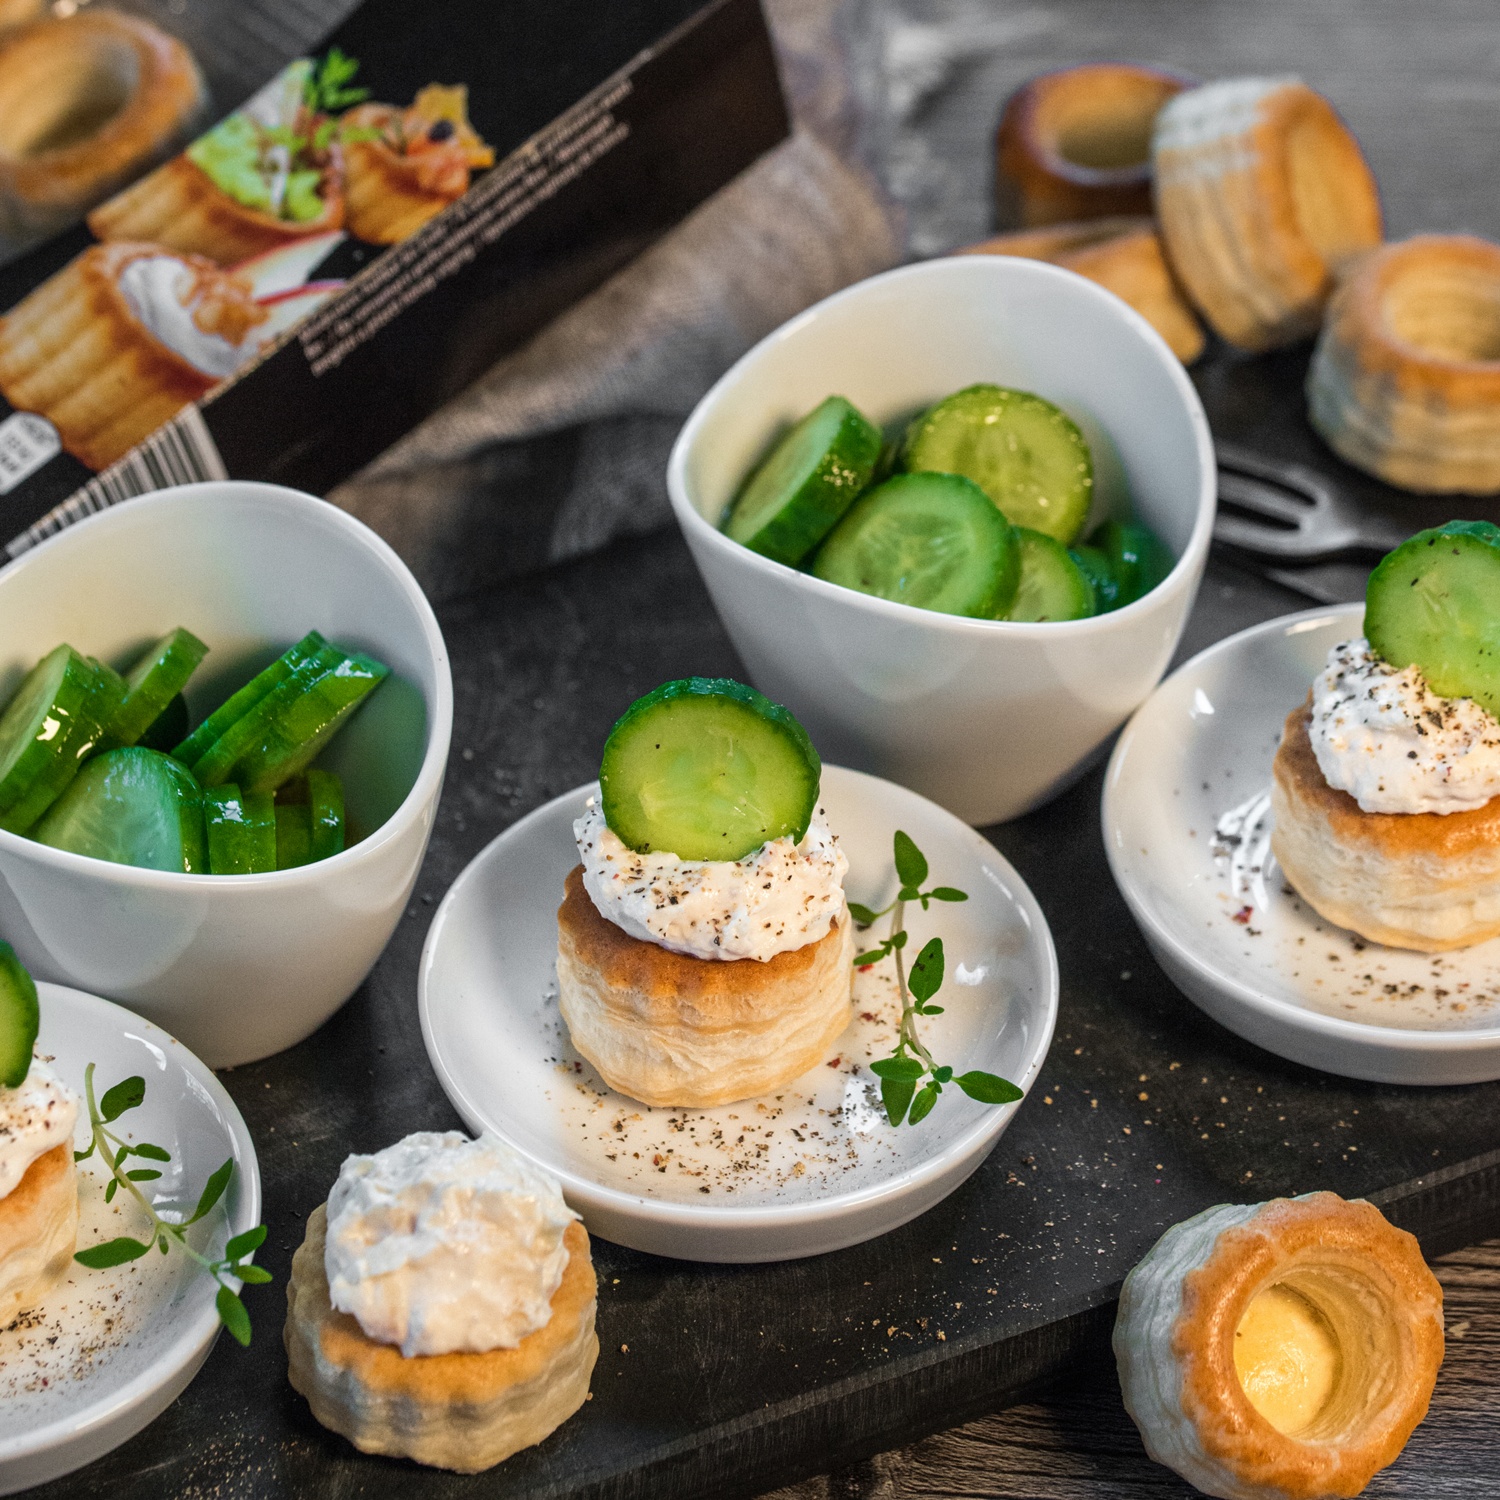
x=241 y=830
x=153 y=682
x=1053 y=586
x=806 y=482
x=931 y=540
x=1025 y=453
x=707 y=768
x=131 y=807
x=1435 y=603
x=20 y=1017
x=195 y=745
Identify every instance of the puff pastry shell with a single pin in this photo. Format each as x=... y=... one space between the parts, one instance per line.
x=1429 y=881
x=1405 y=381
x=86 y=104
x=38 y=1230
x=1180 y=1310
x=453 y=1411
x=1264 y=198
x=669 y=1029
x=1124 y=255
x=1076 y=144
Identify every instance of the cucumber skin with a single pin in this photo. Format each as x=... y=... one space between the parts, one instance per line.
x=38 y=763
x=293 y=837
x=1384 y=634
x=820 y=502
x=1137 y=556
x=241 y=831
x=20 y=1018
x=325 y=803
x=727 y=687
x=1094 y=564
x=156 y=678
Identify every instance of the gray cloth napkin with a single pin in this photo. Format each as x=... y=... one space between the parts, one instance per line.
x=562 y=446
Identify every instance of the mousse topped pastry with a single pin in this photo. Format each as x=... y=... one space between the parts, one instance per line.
x=442 y=1305
x=1386 y=787
x=38 y=1181
x=704 y=942
x=404 y=166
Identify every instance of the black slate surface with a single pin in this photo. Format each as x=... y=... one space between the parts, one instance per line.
x=726 y=1380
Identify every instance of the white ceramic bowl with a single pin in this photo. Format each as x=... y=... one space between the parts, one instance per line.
x=241 y=966
x=989 y=718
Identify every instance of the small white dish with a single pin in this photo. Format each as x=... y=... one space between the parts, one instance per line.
x=812 y=1169
x=988 y=717
x=237 y=966
x=73 y=1386
x=1187 y=829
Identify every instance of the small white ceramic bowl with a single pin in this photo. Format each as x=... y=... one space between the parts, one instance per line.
x=240 y=966
x=989 y=718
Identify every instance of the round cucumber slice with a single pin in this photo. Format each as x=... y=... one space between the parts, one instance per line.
x=325 y=802
x=35 y=726
x=196 y=745
x=241 y=831
x=1094 y=564
x=931 y=540
x=707 y=768
x=131 y=807
x=20 y=1018
x=152 y=683
x=1025 y=453
x=1435 y=603
x=1136 y=557
x=1053 y=586
x=805 y=483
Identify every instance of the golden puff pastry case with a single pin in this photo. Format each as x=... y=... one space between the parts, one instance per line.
x=1282 y=1350
x=441 y=1307
x=1264 y=200
x=1405 y=381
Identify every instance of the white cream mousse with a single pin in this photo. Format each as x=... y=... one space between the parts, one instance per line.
x=177 y=308
x=441 y=1244
x=35 y=1117
x=782 y=897
x=1394 y=745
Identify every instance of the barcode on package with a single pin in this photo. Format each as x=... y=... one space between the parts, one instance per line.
x=182 y=452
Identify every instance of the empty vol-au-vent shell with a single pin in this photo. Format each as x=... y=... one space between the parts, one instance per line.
x=1076 y=143
x=1123 y=254
x=1405 y=381
x=1264 y=198
x=1282 y=1350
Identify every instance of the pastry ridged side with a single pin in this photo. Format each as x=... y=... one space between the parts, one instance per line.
x=38 y=1231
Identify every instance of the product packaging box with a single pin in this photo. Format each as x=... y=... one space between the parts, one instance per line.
x=329 y=264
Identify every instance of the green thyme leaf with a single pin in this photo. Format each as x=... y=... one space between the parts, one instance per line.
x=897 y=939
x=111 y=1253
x=242 y=1244
x=899 y=1068
x=864 y=960
x=947 y=893
x=863 y=915
x=151 y=1153
x=929 y=1010
x=921 y=1106
x=911 y=866
x=927 y=972
x=233 y=1315
x=143 y=1174
x=895 y=1094
x=84 y=1155
x=943 y=1074
x=254 y=1275
x=126 y=1094
x=213 y=1190
x=109 y=1192
x=987 y=1088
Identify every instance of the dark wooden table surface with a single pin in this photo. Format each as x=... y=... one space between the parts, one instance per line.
x=1419 y=83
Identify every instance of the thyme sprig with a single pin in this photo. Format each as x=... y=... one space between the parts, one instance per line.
x=115 y=1153
x=911 y=1062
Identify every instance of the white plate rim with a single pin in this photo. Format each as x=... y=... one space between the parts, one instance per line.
x=975 y=1141
x=196 y=1338
x=1388 y=1039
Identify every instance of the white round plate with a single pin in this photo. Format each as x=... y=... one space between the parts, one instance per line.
x=105 y=1352
x=1187 y=828
x=812 y=1168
